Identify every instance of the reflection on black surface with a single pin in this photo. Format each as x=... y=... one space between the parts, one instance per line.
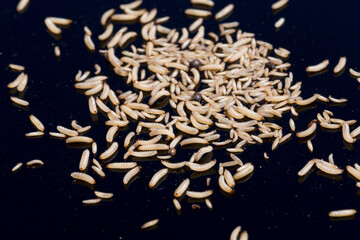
x=269 y=204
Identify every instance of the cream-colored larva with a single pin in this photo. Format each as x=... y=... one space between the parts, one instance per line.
x=17 y=167
x=181 y=189
x=354 y=73
x=158 y=95
x=87 y=84
x=148 y=142
x=196 y=24
x=83 y=177
x=243 y=171
x=116 y=123
x=355 y=132
x=22 y=5
x=177 y=204
x=113 y=98
x=67 y=132
x=244 y=235
x=346 y=133
x=310 y=130
x=203 y=151
x=310 y=145
x=307 y=101
x=52 y=27
x=121 y=165
x=157 y=176
x=84 y=160
x=148 y=16
x=327 y=167
x=285 y=138
x=279 y=98
x=197 y=12
x=128 y=139
x=158 y=147
x=279 y=23
x=279 y=4
x=229 y=178
x=81 y=77
x=57 y=51
x=249 y=113
x=354 y=172
x=84 y=129
x=79 y=139
x=126 y=37
x=107 y=33
x=152 y=125
x=34 y=134
x=329 y=125
x=204 y=194
x=162 y=20
x=57 y=135
x=97 y=164
x=318 y=67
x=16 y=67
x=87 y=31
x=92 y=105
x=35 y=162
x=103 y=194
x=60 y=20
x=23 y=82
x=321 y=98
x=337 y=100
x=340 y=66
x=208 y=203
x=150 y=224
x=121 y=17
x=173 y=165
x=94 y=90
x=208 y=3
x=129 y=112
x=37 y=123
x=89 y=42
x=111 y=133
x=202 y=119
x=306 y=168
x=91 y=201
x=131 y=5
x=235 y=233
x=200 y=167
x=110 y=151
x=130 y=174
x=19 y=101
x=98 y=171
x=292 y=124
x=166 y=132
x=358 y=184
x=211 y=67
x=97 y=69
x=223 y=185
x=275 y=144
x=143 y=154
x=106 y=15
x=17 y=81
x=342 y=213
x=193 y=141
x=224 y=12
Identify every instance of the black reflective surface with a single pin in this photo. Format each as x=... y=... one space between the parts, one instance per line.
x=273 y=204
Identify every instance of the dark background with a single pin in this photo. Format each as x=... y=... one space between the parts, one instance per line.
x=43 y=203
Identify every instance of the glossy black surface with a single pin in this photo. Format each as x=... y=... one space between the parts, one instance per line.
x=43 y=203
